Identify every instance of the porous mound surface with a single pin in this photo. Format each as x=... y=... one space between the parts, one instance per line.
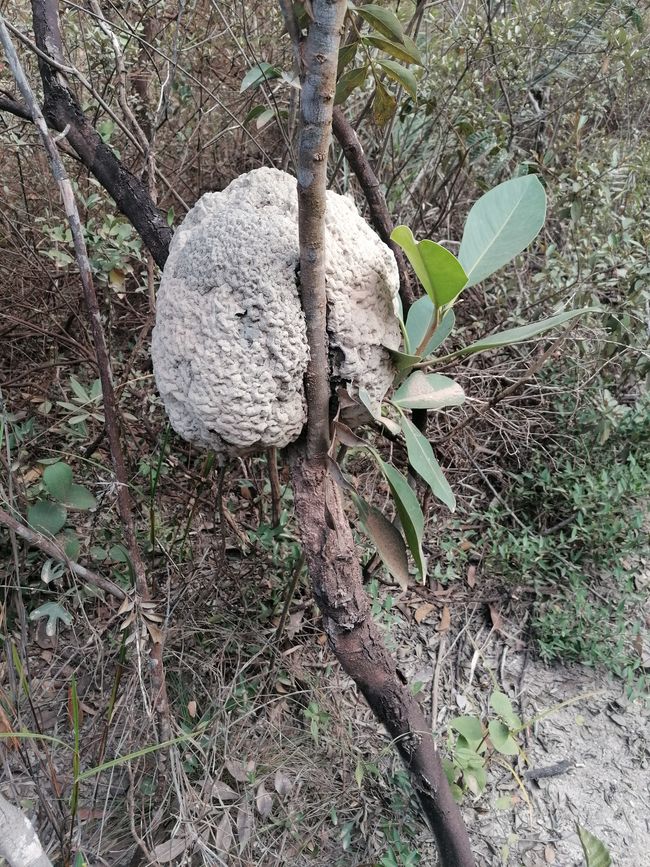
x=229 y=347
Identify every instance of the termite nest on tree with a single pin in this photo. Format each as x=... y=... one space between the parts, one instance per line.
x=230 y=348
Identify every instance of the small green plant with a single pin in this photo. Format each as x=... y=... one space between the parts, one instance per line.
x=57 y=495
x=499 y=226
x=471 y=743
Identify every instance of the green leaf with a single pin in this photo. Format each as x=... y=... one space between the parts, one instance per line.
x=46 y=517
x=119 y=554
x=346 y=55
x=57 y=478
x=502 y=706
x=424 y=462
x=406 y=52
x=502 y=741
x=469 y=727
x=348 y=82
x=419 y=321
x=401 y=75
x=402 y=360
x=54 y=612
x=70 y=544
x=384 y=105
x=522 y=333
x=79 y=497
x=596 y=853
x=383 y=20
x=409 y=511
x=386 y=538
x=258 y=74
x=500 y=225
x=439 y=271
x=79 y=390
x=428 y=391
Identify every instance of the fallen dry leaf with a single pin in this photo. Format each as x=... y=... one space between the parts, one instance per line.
x=191 y=708
x=423 y=611
x=263 y=801
x=495 y=617
x=471 y=576
x=445 y=620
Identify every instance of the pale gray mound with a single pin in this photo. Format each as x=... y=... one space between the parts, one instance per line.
x=230 y=349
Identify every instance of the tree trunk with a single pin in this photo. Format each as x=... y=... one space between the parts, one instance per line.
x=326 y=534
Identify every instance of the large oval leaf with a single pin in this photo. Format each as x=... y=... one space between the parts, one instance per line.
x=596 y=853
x=58 y=480
x=386 y=538
x=383 y=20
x=522 y=333
x=419 y=323
x=409 y=511
x=424 y=462
x=439 y=271
x=46 y=517
x=500 y=225
x=428 y=391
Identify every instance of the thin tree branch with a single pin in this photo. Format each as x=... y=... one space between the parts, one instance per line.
x=124 y=502
x=326 y=535
x=37 y=540
x=63 y=112
x=379 y=213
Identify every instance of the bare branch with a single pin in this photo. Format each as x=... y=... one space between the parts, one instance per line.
x=37 y=540
x=379 y=214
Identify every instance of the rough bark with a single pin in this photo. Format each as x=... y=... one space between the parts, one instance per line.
x=327 y=539
x=62 y=111
x=19 y=843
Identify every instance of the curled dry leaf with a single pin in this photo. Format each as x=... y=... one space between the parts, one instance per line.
x=423 y=611
x=445 y=620
x=221 y=791
x=263 y=801
x=495 y=617
x=282 y=784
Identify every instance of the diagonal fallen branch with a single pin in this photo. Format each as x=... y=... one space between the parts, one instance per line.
x=49 y=547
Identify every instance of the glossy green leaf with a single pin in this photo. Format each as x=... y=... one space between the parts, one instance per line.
x=46 y=517
x=383 y=105
x=595 y=851
x=403 y=76
x=500 y=225
x=420 y=320
x=522 y=333
x=439 y=271
x=404 y=361
x=428 y=391
x=469 y=727
x=80 y=497
x=409 y=511
x=386 y=538
x=346 y=55
x=383 y=20
x=258 y=74
x=348 y=82
x=502 y=741
x=57 y=478
x=502 y=706
x=407 y=51
x=423 y=461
